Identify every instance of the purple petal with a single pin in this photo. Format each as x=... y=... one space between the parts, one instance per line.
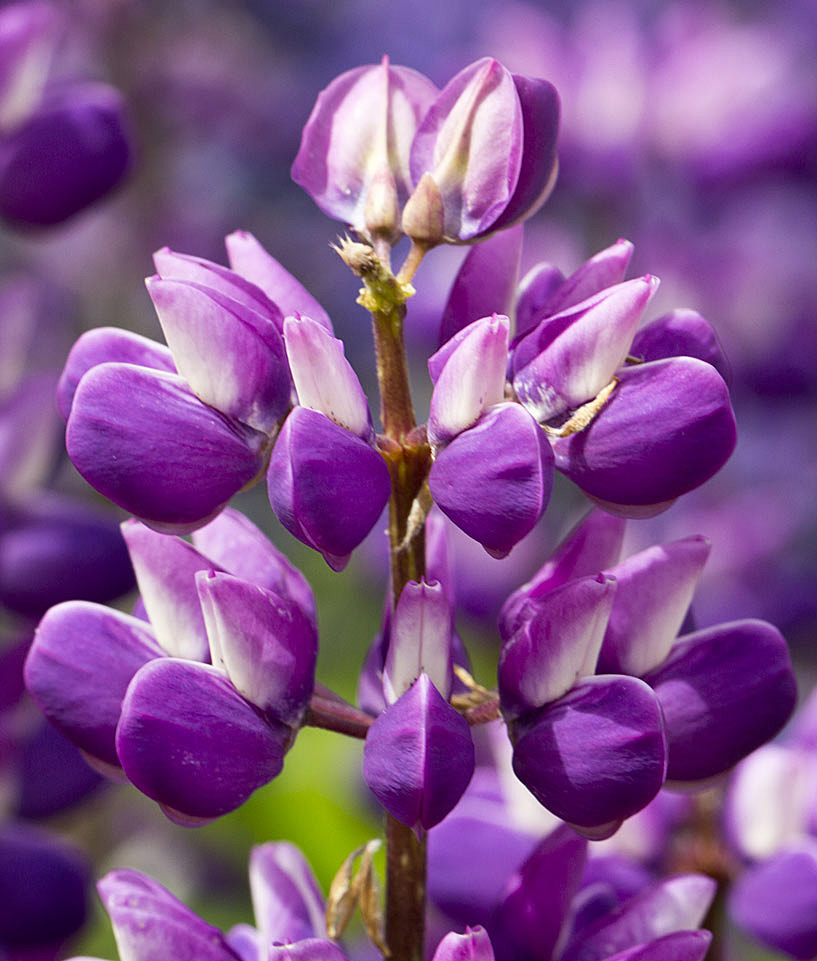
x=166 y=569
x=29 y=436
x=667 y=427
x=679 y=946
x=188 y=740
x=557 y=646
x=474 y=945
x=362 y=124
x=106 y=344
x=675 y=905
x=171 y=265
x=263 y=642
x=419 y=641
x=144 y=441
x=776 y=902
x=598 y=754
x=485 y=283
x=310 y=949
x=680 y=333
x=248 y=258
x=287 y=901
x=419 y=757
x=150 y=924
x=79 y=667
x=232 y=356
x=67 y=155
x=655 y=589
x=540 y=126
x=724 y=691
x=494 y=480
x=602 y=270
x=536 y=290
x=471 y=380
x=324 y=378
x=554 y=374
x=528 y=921
x=28 y=32
x=327 y=486
x=471 y=142
x=237 y=546
x=593 y=545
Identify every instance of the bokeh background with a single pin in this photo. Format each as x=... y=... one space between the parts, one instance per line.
x=688 y=128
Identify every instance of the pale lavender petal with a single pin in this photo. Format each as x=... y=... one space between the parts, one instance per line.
x=680 y=333
x=554 y=374
x=471 y=380
x=187 y=739
x=724 y=691
x=419 y=641
x=362 y=124
x=165 y=568
x=310 y=949
x=263 y=642
x=234 y=544
x=287 y=901
x=150 y=924
x=601 y=271
x=474 y=945
x=776 y=902
x=597 y=755
x=245 y=941
x=593 y=545
x=28 y=32
x=419 y=757
x=655 y=589
x=494 y=480
x=29 y=436
x=667 y=427
x=231 y=355
x=557 y=646
x=248 y=258
x=485 y=283
x=79 y=667
x=324 y=378
x=529 y=919
x=471 y=142
x=327 y=486
x=104 y=344
x=677 y=904
x=171 y=265
x=540 y=106
x=149 y=445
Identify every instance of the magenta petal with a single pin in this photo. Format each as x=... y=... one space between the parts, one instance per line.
x=327 y=486
x=188 y=739
x=287 y=902
x=557 y=646
x=724 y=691
x=655 y=589
x=102 y=345
x=248 y=258
x=474 y=945
x=233 y=543
x=419 y=757
x=79 y=667
x=593 y=545
x=667 y=427
x=144 y=441
x=263 y=642
x=231 y=355
x=540 y=127
x=596 y=755
x=494 y=480
x=677 y=904
x=680 y=333
x=71 y=152
x=150 y=924
x=485 y=283
x=166 y=569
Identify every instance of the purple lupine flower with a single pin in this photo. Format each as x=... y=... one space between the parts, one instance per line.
x=149 y=922
x=172 y=434
x=63 y=145
x=142 y=697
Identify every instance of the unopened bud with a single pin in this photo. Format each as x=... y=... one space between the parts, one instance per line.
x=424 y=214
x=382 y=212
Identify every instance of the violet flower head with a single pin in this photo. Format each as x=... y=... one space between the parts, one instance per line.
x=198 y=705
